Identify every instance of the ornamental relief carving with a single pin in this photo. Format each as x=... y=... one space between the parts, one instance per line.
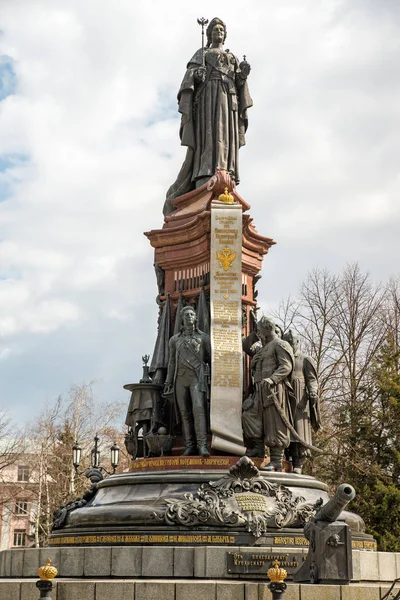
x=241 y=498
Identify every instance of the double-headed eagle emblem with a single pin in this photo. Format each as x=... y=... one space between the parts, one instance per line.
x=226 y=258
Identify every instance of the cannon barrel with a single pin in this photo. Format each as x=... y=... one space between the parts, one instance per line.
x=330 y=511
x=329 y=558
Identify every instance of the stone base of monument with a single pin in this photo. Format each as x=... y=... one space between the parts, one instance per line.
x=176 y=573
x=179 y=573
x=189 y=562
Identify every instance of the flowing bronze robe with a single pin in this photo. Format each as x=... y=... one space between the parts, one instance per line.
x=214 y=120
x=305 y=381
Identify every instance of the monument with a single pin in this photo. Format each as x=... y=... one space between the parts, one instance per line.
x=190 y=480
x=221 y=387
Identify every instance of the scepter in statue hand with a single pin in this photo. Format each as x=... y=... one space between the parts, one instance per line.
x=203 y=22
x=201 y=72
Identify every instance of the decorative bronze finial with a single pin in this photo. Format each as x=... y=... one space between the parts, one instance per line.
x=47 y=572
x=146 y=377
x=226 y=197
x=276 y=574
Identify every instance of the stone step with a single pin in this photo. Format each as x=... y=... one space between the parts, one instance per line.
x=134 y=589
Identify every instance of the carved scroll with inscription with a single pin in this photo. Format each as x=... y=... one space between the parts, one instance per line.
x=226 y=327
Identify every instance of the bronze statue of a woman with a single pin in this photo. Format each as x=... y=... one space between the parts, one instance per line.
x=213 y=100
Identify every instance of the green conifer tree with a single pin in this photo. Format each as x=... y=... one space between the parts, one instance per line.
x=374 y=468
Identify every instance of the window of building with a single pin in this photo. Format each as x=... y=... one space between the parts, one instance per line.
x=23 y=473
x=19 y=537
x=21 y=507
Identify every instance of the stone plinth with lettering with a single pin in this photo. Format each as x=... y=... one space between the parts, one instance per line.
x=226 y=326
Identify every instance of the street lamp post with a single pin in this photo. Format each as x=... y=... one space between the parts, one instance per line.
x=95 y=472
x=76 y=456
x=114 y=456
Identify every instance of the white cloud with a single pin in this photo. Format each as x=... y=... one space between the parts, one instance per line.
x=4 y=353
x=91 y=140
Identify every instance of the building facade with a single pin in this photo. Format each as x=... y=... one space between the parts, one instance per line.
x=17 y=504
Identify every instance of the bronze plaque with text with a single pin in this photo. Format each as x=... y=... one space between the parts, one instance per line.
x=259 y=562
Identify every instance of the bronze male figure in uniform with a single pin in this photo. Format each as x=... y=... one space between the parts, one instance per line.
x=272 y=367
x=189 y=360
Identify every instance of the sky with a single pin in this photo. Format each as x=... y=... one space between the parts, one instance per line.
x=89 y=145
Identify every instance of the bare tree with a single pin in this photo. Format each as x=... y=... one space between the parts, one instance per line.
x=43 y=442
x=11 y=442
x=392 y=309
x=340 y=321
x=75 y=417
